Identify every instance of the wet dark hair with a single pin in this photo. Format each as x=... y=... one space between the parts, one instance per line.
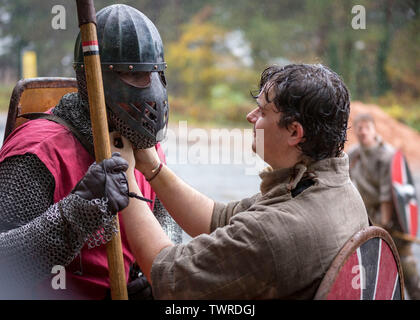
x=317 y=98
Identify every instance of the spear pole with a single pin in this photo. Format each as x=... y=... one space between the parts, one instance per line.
x=92 y=66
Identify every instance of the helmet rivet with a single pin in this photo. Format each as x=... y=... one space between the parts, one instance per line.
x=82 y=66
x=130 y=67
x=155 y=66
x=111 y=67
x=166 y=65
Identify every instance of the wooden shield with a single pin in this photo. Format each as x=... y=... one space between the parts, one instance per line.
x=36 y=95
x=366 y=268
x=404 y=195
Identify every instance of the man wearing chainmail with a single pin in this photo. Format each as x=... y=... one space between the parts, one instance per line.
x=48 y=218
x=370 y=170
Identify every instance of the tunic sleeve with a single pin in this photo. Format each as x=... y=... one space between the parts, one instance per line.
x=223 y=213
x=233 y=262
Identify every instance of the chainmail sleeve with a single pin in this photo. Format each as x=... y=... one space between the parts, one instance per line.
x=171 y=228
x=26 y=190
x=36 y=234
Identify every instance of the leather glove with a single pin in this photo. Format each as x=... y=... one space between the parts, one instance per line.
x=106 y=180
x=139 y=289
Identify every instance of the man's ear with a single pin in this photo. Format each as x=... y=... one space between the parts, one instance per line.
x=296 y=134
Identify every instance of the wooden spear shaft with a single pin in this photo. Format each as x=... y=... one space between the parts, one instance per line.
x=92 y=65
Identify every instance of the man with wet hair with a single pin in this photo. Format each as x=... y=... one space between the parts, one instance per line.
x=279 y=243
x=370 y=170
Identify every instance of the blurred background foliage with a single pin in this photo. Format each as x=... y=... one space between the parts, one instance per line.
x=217 y=49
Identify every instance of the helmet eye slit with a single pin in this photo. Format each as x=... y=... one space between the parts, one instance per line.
x=138 y=79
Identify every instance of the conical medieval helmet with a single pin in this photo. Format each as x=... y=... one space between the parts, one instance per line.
x=131 y=53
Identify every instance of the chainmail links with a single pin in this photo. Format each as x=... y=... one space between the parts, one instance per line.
x=89 y=220
x=171 y=228
x=54 y=238
x=26 y=190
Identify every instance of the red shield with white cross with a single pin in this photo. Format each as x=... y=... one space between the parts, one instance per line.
x=404 y=195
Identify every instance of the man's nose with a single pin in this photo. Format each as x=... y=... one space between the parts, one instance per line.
x=252 y=116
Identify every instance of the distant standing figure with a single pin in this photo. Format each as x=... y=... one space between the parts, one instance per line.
x=370 y=171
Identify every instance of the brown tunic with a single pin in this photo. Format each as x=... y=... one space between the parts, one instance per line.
x=269 y=246
x=370 y=170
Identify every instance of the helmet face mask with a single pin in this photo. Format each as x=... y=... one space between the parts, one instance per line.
x=131 y=52
x=143 y=110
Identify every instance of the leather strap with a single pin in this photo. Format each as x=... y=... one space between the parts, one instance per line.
x=39 y=115
x=86 y=12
